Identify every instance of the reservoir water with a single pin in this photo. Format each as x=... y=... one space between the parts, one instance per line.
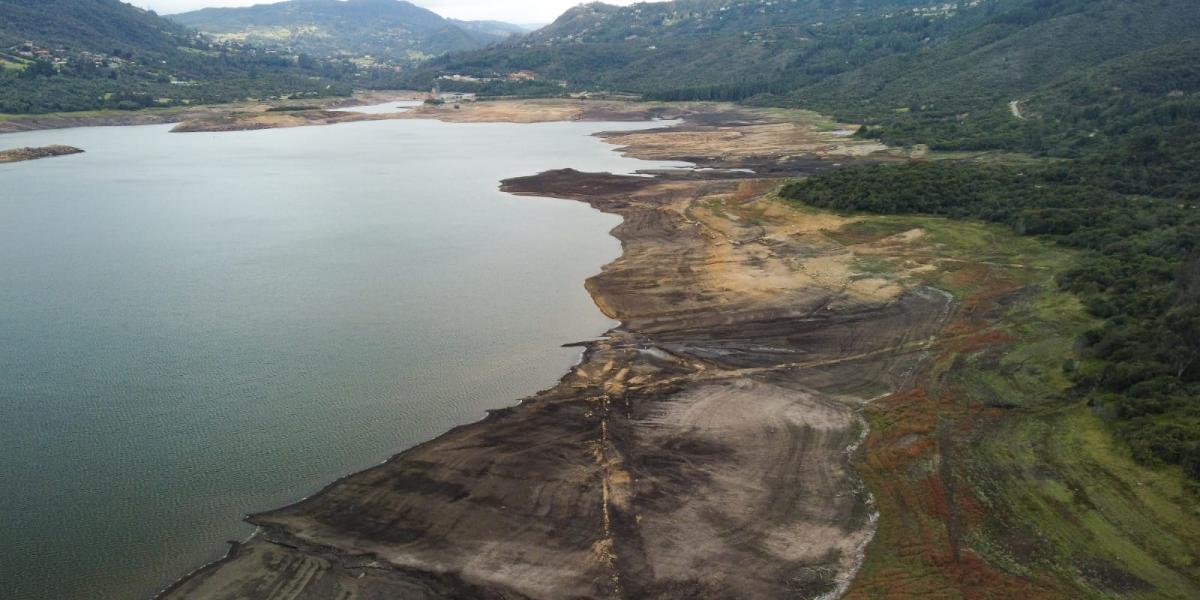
x=198 y=326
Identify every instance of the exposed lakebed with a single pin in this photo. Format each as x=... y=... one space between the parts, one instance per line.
x=198 y=326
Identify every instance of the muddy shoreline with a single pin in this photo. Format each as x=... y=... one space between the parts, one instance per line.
x=699 y=450
x=24 y=154
x=257 y=115
x=165 y=116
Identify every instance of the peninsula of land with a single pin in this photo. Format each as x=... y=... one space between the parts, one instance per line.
x=711 y=428
x=23 y=154
x=780 y=413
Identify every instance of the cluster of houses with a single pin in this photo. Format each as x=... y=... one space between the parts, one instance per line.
x=523 y=75
x=60 y=56
x=457 y=98
x=29 y=51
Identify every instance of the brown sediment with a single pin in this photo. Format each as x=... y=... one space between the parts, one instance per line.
x=297 y=114
x=22 y=154
x=699 y=450
x=181 y=114
x=250 y=115
x=506 y=111
x=544 y=111
x=100 y=119
x=250 y=121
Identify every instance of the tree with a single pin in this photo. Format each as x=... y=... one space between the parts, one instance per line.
x=40 y=68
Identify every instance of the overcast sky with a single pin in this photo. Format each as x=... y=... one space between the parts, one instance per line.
x=513 y=11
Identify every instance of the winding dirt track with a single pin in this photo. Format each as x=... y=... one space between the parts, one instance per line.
x=700 y=450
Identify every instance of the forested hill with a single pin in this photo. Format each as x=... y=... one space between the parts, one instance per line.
x=70 y=55
x=90 y=25
x=1007 y=49
x=687 y=44
x=393 y=30
x=859 y=56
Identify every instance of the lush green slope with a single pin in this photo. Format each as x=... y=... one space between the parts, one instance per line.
x=863 y=59
x=392 y=30
x=673 y=46
x=692 y=44
x=68 y=55
x=95 y=25
x=1015 y=51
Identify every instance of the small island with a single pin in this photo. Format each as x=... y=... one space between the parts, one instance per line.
x=23 y=154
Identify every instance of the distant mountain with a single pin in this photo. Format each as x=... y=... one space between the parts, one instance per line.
x=392 y=30
x=492 y=31
x=63 y=55
x=529 y=27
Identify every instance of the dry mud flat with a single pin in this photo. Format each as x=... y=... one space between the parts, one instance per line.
x=700 y=450
x=272 y=120
x=263 y=116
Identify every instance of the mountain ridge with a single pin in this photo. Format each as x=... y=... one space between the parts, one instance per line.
x=394 y=30
x=837 y=55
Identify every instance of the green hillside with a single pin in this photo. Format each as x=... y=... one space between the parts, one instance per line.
x=392 y=30
x=864 y=59
x=95 y=25
x=1015 y=51
x=70 y=55
x=730 y=48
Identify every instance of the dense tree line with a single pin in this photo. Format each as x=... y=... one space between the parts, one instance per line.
x=47 y=89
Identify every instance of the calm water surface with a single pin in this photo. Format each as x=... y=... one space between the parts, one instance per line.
x=198 y=326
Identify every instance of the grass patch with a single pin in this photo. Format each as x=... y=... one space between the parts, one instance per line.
x=873 y=265
x=868 y=230
x=1059 y=482
x=9 y=65
x=993 y=481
